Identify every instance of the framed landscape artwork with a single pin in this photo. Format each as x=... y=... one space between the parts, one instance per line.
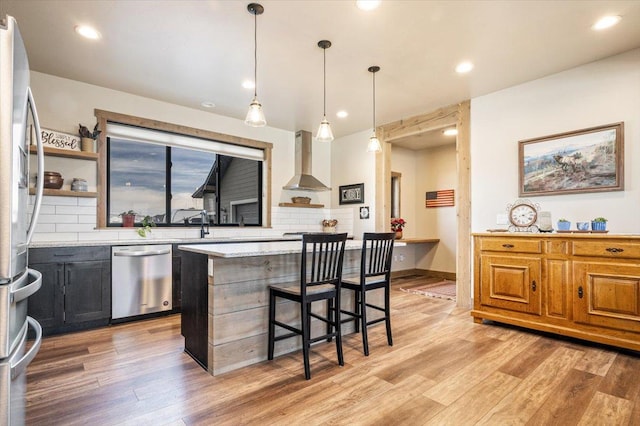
x=587 y=160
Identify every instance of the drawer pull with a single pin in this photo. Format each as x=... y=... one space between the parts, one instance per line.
x=533 y=285
x=580 y=292
x=614 y=250
x=508 y=245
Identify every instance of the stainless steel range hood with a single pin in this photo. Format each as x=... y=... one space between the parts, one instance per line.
x=302 y=180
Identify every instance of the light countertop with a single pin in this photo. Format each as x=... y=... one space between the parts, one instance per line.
x=260 y=248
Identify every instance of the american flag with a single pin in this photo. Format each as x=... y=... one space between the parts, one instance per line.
x=440 y=198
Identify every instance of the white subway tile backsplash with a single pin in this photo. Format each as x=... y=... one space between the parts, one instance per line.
x=87 y=218
x=57 y=218
x=76 y=227
x=59 y=201
x=57 y=236
x=87 y=202
x=75 y=210
x=44 y=227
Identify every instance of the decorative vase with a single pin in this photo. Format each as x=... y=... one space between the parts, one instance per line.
x=128 y=220
x=399 y=234
x=331 y=229
x=87 y=145
x=598 y=226
x=564 y=226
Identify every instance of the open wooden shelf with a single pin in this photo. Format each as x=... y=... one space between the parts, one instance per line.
x=66 y=153
x=306 y=206
x=65 y=193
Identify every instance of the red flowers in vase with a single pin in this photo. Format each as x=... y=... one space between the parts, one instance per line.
x=397 y=224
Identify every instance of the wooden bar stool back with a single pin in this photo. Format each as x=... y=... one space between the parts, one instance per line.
x=375 y=273
x=320 y=276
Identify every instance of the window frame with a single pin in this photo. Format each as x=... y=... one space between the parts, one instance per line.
x=107 y=116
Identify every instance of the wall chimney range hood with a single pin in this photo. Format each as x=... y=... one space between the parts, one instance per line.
x=302 y=180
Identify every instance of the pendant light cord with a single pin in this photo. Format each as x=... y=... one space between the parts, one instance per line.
x=255 y=55
x=374 y=103
x=324 y=83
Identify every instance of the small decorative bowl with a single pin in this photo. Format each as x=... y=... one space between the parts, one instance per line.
x=582 y=226
x=300 y=200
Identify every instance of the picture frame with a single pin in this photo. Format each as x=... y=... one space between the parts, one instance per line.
x=586 y=160
x=351 y=194
x=364 y=212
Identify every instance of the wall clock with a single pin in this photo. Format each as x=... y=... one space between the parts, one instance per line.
x=523 y=215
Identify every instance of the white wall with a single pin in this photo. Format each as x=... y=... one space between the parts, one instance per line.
x=602 y=92
x=436 y=171
x=351 y=164
x=403 y=161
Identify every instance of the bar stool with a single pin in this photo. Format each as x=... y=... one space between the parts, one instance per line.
x=320 y=276
x=375 y=273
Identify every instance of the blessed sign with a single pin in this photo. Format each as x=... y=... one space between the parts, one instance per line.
x=59 y=140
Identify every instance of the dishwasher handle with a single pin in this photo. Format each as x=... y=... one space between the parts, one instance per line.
x=141 y=253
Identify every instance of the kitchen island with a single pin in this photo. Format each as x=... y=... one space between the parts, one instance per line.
x=225 y=299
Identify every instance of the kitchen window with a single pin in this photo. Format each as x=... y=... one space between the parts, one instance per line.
x=173 y=178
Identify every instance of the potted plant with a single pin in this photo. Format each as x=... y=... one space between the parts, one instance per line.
x=147 y=224
x=397 y=224
x=128 y=218
x=563 y=224
x=88 y=138
x=599 y=224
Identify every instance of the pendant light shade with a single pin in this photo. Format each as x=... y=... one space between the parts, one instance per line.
x=255 y=115
x=374 y=143
x=324 y=131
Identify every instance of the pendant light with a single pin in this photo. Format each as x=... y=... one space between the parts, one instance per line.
x=374 y=143
x=324 y=131
x=255 y=115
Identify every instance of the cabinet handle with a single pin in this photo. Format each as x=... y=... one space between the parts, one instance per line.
x=580 y=292
x=614 y=250
x=533 y=285
x=507 y=245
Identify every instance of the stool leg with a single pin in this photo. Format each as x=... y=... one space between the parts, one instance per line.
x=356 y=309
x=338 y=328
x=363 y=318
x=329 y=319
x=272 y=318
x=306 y=320
x=387 y=313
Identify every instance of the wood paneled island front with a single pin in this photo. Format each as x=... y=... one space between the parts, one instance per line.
x=225 y=299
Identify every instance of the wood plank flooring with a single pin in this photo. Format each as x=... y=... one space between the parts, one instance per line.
x=442 y=370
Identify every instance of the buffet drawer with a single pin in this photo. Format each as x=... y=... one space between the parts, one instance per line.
x=613 y=249
x=511 y=245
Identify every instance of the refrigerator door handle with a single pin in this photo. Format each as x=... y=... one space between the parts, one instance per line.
x=19 y=367
x=40 y=175
x=26 y=291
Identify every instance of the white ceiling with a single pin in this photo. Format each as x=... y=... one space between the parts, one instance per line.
x=186 y=52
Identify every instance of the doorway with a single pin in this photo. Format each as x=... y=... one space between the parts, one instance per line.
x=453 y=116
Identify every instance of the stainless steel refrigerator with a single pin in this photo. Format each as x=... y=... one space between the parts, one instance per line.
x=18 y=117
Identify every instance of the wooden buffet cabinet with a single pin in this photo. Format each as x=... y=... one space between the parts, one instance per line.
x=579 y=285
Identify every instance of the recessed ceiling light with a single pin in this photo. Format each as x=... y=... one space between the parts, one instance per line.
x=367 y=4
x=606 y=22
x=208 y=104
x=248 y=84
x=464 y=67
x=450 y=132
x=342 y=114
x=87 y=32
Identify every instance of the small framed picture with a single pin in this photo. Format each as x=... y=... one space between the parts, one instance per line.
x=364 y=212
x=352 y=194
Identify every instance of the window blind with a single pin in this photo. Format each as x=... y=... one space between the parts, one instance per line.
x=140 y=134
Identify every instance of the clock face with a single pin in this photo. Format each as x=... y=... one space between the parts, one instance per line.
x=523 y=215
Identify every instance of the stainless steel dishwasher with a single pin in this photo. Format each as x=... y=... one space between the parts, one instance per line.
x=140 y=280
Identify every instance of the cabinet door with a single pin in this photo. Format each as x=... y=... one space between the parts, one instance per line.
x=607 y=295
x=47 y=304
x=87 y=291
x=176 y=263
x=511 y=282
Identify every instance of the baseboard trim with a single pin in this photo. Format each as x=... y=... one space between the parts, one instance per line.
x=425 y=272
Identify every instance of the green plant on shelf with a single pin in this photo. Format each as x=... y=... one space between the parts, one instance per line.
x=562 y=220
x=599 y=219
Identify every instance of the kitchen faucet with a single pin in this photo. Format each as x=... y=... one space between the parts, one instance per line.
x=204 y=217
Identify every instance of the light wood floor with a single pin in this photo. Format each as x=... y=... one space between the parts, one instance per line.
x=442 y=369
